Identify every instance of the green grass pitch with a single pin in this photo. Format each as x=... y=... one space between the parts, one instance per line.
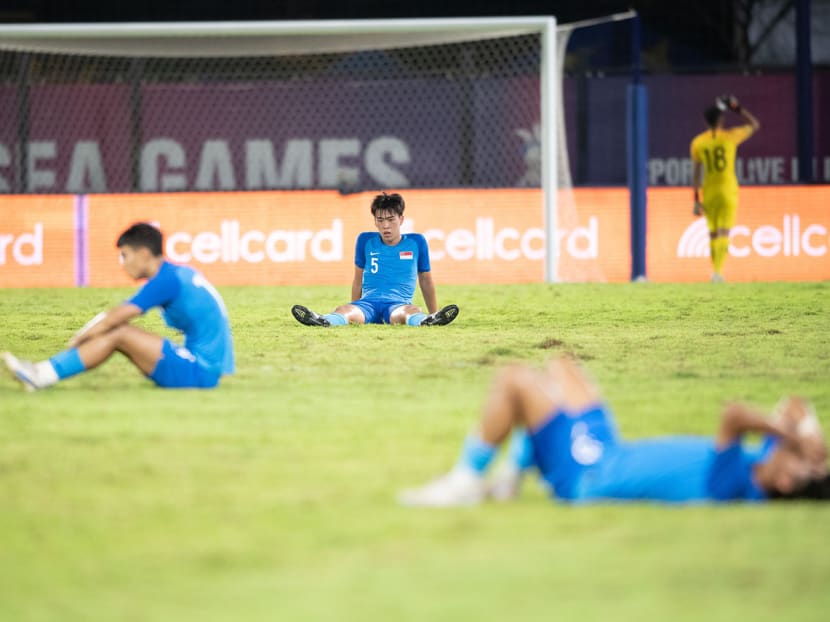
x=272 y=498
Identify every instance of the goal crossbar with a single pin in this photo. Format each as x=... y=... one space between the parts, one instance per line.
x=199 y=39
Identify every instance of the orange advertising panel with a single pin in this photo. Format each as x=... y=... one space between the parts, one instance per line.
x=303 y=238
x=594 y=235
x=260 y=238
x=474 y=236
x=782 y=234
x=38 y=241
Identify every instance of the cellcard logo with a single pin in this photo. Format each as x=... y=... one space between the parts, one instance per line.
x=485 y=242
x=233 y=245
x=25 y=249
x=791 y=239
x=695 y=240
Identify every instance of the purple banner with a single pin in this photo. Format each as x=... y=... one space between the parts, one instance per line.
x=76 y=139
x=506 y=120
x=595 y=119
x=303 y=135
x=8 y=139
x=375 y=133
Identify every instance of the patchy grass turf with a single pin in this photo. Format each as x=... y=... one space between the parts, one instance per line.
x=273 y=496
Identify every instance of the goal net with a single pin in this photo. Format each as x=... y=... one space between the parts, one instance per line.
x=347 y=105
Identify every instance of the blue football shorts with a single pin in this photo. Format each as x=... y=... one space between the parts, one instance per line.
x=178 y=369
x=568 y=444
x=377 y=311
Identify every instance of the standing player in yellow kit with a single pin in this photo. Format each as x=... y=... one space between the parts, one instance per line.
x=713 y=157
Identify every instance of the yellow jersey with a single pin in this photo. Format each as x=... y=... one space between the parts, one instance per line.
x=715 y=150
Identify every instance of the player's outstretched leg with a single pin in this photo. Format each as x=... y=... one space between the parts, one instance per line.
x=441 y=317
x=306 y=316
x=31 y=376
x=515 y=391
x=520 y=398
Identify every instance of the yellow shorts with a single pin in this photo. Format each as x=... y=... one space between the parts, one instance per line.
x=721 y=210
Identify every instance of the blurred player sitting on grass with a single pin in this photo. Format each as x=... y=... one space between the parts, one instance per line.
x=574 y=444
x=386 y=266
x=713 y=157
x=188 y=303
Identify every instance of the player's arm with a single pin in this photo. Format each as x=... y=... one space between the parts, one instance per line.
x=359 y=265
x=357 y=283
x=427 y=286
x=105 y=322
x=751 y=119
x=735 y=106
x=158 y=291
x=739 y=419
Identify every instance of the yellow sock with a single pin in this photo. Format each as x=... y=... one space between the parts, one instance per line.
x=725 y=250
x=721 y=248
x=713 y=252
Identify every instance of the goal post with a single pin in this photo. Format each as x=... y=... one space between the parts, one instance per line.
x=550 y=114
x=412 y=103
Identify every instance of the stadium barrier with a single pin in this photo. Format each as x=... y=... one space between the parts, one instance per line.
x=475 y=236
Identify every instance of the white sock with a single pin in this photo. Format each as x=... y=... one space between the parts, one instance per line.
x=45 y=374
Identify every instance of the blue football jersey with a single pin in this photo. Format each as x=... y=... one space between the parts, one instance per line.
x=192 y=305
x=675 y=470
x=390 y=273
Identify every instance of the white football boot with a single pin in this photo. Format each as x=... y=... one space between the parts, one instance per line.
x=459 y=487
x=22 y=371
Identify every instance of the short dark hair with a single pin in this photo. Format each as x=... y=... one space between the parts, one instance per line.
x=142 y=235
x=388 y=202
x=815 y=490
x=712 y=115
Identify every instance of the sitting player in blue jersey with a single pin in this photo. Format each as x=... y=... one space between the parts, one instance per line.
x=188 y=303
x=387 y=265
x=573 y=442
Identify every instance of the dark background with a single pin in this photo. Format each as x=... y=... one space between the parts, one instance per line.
x=697 y=34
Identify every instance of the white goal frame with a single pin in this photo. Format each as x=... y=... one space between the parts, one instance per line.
x=201 y=39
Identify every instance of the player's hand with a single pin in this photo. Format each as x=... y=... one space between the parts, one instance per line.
x=79 y=337
x=697 y=210
x=729 y=102
x=812 y=448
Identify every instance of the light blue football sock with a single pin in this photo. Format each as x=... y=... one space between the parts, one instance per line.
x=416 y=319
x=335 y=319
x=476 y=454
x=67 y=363
x=520 y=451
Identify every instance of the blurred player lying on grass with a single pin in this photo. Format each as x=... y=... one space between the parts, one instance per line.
x=188 y=303
x=387 y=265
x=574 y=444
